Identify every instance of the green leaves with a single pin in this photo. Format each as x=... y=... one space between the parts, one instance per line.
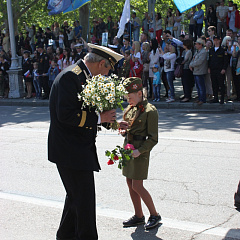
x=123 y=156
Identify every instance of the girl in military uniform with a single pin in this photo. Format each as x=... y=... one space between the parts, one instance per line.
x=140 y=128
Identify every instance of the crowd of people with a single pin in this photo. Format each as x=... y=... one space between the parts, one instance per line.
x=157 y=51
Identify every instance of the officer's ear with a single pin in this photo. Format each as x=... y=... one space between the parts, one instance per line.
x=101 y=64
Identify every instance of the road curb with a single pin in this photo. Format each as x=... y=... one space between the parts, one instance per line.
x=230 y=106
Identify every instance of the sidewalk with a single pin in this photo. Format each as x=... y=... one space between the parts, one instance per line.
x=228 y=106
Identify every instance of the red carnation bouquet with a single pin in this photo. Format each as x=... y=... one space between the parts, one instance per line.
x=120 y=155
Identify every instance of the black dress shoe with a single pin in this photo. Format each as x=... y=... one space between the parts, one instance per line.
x=237 y=205
x=214 y=101
x=134 y=221
x=153 y=221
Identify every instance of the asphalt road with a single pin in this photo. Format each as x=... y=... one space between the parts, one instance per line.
x=194 y=172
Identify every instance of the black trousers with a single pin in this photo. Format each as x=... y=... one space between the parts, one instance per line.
x=187 y=82
x=218 y=82
x=79 y=214
x=236 y=80
x=237 y=195
x=44 y=84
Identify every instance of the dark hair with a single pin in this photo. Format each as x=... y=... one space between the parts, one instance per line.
x=230 y=30
x=134 y=13
x=60 y=50
x=208 y=39
x=68 y=54
x=159 y=16
x=167 y=32
x=188 y=43
x=213 y=28
x=211 y=6
x=235 y=5
x=154 y=45
x=169 y=13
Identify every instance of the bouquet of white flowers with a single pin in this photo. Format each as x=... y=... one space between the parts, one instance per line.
x=103 y=93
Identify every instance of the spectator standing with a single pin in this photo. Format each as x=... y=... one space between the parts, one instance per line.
x=211 y=32
x=56 y=33
x=27 y=72
x=187 y=77
x=177 y=24
x=192 y=23
x=31 y=34
x=154 y=59
x=77 y=30
x=146 y=61
x=70 y=34
x=199 y=67
x=124 y=71
x=4 y=66
x=36 y=82
x=199 y=15
x=64 y=28
x=52 y=73
x=208 y=82
x=233 y=19
x=101 y=28
x=66 y=59
x=6 y=42
x=93 y=32
x=61 y=40
x=136 y=61
x=158 y=27
x=211 y=17
x=145 y=23
x=110 y=25
x=227 y=45
x=236 y=69
x=218 y=62
x=43 y=66
x=221 y=12
x=156 y=83
x=169 y=22
x=136 y=27
x=169 y=62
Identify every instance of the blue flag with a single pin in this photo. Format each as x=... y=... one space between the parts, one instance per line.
x=184 y=5
x=76 y=4
x=58 y=6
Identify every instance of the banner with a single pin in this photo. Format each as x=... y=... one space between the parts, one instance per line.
x=75 y=5
x=124 y=18
x=58 y=6
x=184 y=5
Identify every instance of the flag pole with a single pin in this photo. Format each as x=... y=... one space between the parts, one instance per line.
x=88 y=21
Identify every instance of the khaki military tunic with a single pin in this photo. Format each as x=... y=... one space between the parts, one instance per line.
x=143 y=134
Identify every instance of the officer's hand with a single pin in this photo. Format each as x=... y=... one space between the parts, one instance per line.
x=191 y=68
x=136 y=153
x=223 y=71
x=209 y=71
x=123 y=125
x=108 y=116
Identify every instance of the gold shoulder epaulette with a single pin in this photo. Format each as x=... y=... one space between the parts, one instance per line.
x=77 y=70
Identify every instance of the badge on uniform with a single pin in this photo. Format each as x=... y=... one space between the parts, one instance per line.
x=77 y=70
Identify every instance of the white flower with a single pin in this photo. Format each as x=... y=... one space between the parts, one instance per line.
x=98 y=98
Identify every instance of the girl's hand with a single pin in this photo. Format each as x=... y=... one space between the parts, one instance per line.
x=123 y=125
x=136 y=153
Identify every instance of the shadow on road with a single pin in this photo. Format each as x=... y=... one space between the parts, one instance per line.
x=141 y=234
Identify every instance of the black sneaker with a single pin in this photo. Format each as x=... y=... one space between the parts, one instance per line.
x=134 y=221
x=153 y=221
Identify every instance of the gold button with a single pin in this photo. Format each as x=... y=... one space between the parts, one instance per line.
x=86 y=127
x=90 y=128
x=78 y=115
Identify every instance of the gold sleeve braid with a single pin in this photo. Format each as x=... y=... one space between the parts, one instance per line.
x=83 y=119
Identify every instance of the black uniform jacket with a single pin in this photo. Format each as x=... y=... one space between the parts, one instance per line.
x=218 y=60
x=27 y=65
x=79 y=56
x=72 y=133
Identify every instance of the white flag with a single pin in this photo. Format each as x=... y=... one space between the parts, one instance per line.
x=124 y=18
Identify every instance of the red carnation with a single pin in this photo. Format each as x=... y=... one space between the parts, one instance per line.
x=115 y=157
x=110 y=162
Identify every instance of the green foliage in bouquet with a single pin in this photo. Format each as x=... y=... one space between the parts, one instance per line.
x=119 y=154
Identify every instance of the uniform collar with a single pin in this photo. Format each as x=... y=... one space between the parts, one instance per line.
x=84 y=68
